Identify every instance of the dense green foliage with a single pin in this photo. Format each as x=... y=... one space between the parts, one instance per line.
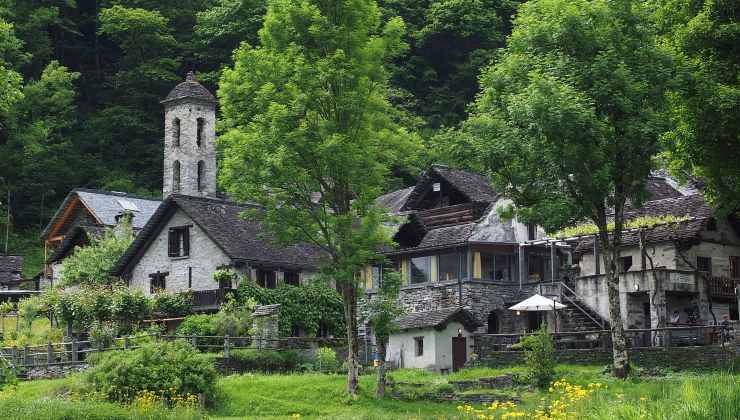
x=169 y=368
x=92 y=264
x=539 y=356
x=271 y=361
x=165 y=304
x=311 y=308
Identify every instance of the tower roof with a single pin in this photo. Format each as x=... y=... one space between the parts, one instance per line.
x=190 y=88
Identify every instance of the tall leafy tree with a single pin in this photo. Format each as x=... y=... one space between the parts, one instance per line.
x=569 y=119
x=310 y=135
x=705 y=141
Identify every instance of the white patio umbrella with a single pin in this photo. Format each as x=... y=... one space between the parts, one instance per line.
x=537 y=303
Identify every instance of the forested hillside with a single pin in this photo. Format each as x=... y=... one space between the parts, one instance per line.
x=81 y=81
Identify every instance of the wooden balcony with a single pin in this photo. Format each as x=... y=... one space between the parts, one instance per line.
x=722 y=287
x=209 y=300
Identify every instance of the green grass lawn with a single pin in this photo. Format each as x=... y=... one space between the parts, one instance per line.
x=680 y=396
x=41 y=333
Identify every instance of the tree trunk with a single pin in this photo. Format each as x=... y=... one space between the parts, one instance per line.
x=349 y=297
x=620 y=365
x=380 y=392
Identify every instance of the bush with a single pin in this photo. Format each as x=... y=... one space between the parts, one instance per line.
x=7 y=374
x=172 y=369
x=325 y=360
x=539 y=354
x=172 y=304
x=271 y=361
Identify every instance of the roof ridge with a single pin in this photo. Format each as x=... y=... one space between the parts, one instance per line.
x=121 y=194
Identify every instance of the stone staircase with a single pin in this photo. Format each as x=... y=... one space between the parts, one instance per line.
x=577 y=316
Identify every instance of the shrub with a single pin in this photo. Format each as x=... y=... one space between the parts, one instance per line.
x=200 y=324
x=102 y=334
x=539 y=354
x=172 y=369
x=254 y=360
x=7 y=374
x=325 y=360
x=172 y=304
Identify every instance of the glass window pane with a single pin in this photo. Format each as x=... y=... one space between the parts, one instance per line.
x=376 y=277
x=503 y=270
x=449 y=266
x=420 y=269
x=487 y=266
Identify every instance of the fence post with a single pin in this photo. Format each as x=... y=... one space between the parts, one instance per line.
x=667 y=338
x=74 y=349
x=194 y=341
x=49 y=353
x=226 y=346
x=26 y=356
x=14 y=355
x=125 y=342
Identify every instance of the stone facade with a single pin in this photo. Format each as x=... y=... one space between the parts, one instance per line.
x=194 y=271
x=181 y=117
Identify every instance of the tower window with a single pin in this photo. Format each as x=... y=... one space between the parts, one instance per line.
x=176 y=132
x=201 y=174
x=178 y=242
x=176 y=176
x=199 y=133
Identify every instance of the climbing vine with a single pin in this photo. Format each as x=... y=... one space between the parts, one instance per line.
x=311 y=308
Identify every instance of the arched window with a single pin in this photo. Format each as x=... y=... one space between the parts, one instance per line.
x=492 y=323
x=176 y=176
x=199 y=133
x=201 y=174
x=176 y=132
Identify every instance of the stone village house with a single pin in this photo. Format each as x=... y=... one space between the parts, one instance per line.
x=460 y=264
x=194 y=231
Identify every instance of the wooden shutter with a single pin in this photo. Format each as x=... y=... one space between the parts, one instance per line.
x=185 y=232
x=173 y=248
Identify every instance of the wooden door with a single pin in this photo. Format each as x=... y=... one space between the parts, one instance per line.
x=459 y=352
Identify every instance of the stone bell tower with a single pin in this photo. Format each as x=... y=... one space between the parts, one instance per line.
x=189 y=140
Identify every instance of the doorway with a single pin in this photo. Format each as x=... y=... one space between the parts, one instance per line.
x=534 y=320
x=459 y=353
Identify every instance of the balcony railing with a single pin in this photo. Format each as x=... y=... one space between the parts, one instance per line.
x=722 y=287
x=209 y=299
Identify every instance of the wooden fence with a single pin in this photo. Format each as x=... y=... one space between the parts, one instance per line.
x=698 y=335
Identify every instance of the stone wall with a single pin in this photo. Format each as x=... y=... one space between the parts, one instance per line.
x=678 y=358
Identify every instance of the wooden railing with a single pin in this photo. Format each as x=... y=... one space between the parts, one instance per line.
x=208 y=299
x=699 y=335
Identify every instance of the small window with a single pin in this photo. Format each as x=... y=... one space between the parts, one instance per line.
x=492 y=323
x=201 y=174
x=419 y=346
x=704 y=264
x=531 y=231
x=266 y=279
x=292 y=278
x=625 y=263
x=158 y=282
x=176 y=176
x=450 y=266
x=199 y=134
x=176 y=132
x=377 y=275
x=179 y=241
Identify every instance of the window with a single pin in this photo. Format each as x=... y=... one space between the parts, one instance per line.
x=199 y=133
x=734 y=267
x=452 y=266
x=157 y=282
x=419 y=346
x=497 y=267
x=625 y=263
x=421 y=268
x=179 y=242
x=266 y=279
x=531 y=231
x=492 y=323
x=201 y=174
x=292 y=278
x=176 y=132
x=704 y=264
x=176 y=176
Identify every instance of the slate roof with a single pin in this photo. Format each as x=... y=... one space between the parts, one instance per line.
x=395 y=200
x=106 y=205
x=265 y=310
x=437 y=319
x=241 y=239
x=190 y=88
x=475 y=187
x=10 y=268
x=693 y=206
